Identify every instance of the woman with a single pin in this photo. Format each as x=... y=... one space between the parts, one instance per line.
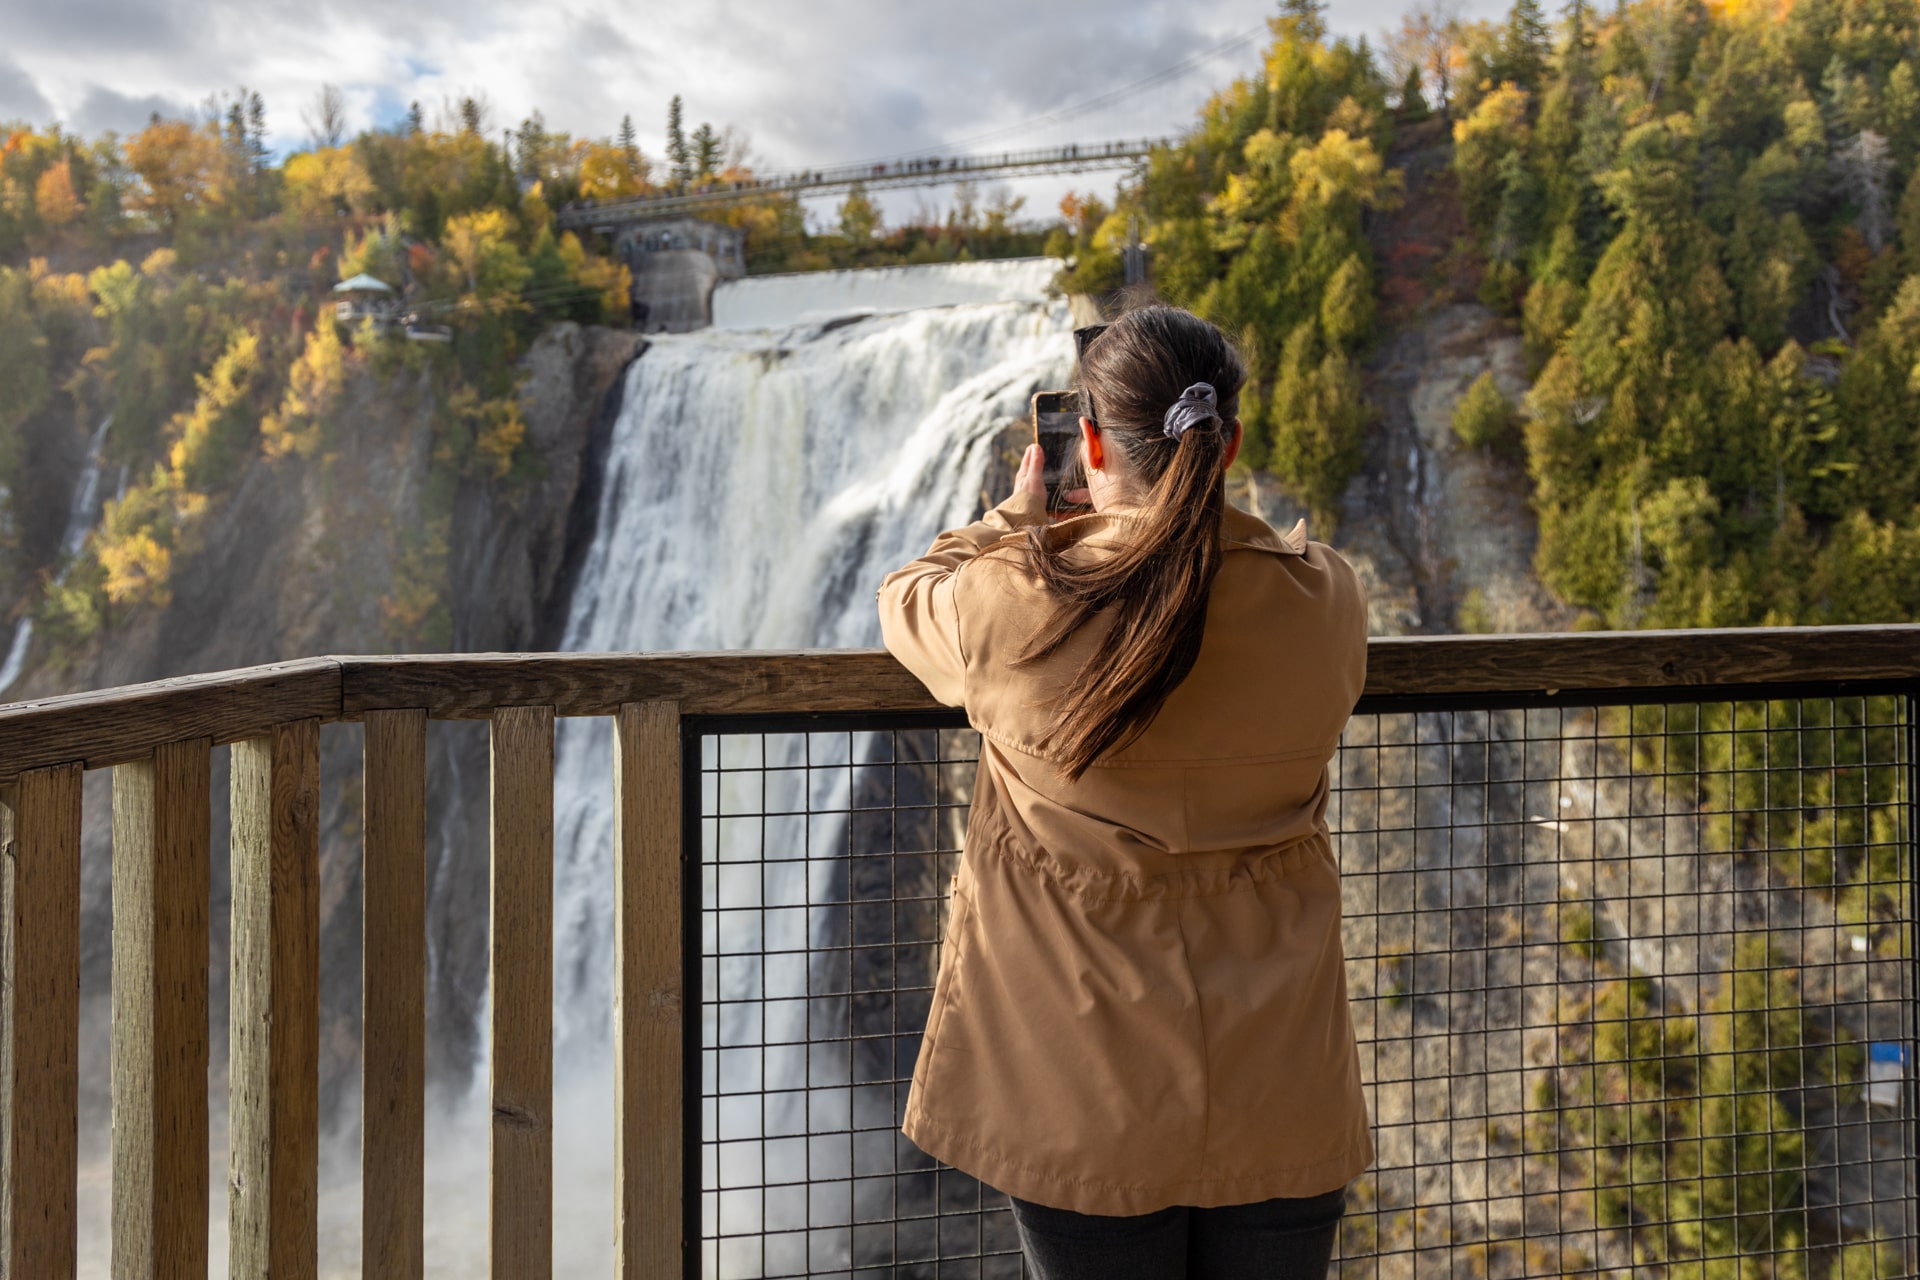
x=1139 y=1029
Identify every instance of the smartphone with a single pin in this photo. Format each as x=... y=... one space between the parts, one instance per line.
x=1056 y=429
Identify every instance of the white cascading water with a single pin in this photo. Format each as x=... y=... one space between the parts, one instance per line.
x=81 y=510
x=759 y=483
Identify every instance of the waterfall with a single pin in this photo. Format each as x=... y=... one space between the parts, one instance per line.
x=760 y=481
x=80 y=515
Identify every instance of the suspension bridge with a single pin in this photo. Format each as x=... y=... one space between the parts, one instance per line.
x=917 y=171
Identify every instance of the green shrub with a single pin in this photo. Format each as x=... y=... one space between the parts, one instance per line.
x=1483 y=419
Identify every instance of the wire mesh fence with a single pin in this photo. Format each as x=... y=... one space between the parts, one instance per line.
x=1634 y=989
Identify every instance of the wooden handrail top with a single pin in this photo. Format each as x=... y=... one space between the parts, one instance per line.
x=114 y=726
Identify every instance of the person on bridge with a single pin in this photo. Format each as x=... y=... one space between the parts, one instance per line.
x=1139 y=1029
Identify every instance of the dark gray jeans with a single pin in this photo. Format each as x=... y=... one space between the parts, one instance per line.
x=1279 y=1239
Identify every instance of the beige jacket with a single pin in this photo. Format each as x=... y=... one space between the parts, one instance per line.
x=1141 y=998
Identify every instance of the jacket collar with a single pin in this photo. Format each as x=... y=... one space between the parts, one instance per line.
x=1239 y=529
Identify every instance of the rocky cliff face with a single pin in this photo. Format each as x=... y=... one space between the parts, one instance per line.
x=1442 y=532
x=303 y=558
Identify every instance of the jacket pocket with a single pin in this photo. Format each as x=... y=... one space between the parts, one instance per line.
x=959 y=912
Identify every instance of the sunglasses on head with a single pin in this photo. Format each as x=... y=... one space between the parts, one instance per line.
x=1082 y=338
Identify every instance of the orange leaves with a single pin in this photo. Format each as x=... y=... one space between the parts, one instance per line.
x=54 y=197
x=178 y=165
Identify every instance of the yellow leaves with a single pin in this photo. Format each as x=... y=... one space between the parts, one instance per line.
x=1267 y=152
x=53 y=195
x=1502 y=113
x=1340 y=166
x=327 y=182
x=607 y=174
x=222 y=392
x=497 y=428
x=481 y=245
x=133 y=543
x=1806 y=132
x=137 y=567
x=65 y=290
x=177 y=164
x=1255 y=192
x=609 y=275
x=1111 y=235
x=140 y=532
x=1752 y=11
x=313 y=391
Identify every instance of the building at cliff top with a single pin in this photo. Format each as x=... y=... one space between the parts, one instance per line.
x=676 y=262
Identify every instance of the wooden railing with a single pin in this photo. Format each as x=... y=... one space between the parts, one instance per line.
x=157 y=739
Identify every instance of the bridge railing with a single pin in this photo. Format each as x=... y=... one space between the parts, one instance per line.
x=908 y=171
x=669 y=711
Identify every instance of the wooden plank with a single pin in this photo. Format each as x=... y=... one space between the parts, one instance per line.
x=468 y=686
x=521 y=977
x=116 y=726
x=393 y=995
x=647 y=870
x=274 y=1129
x=162 y=817
x=1679 y=660
x=124 y=724
x=39 y=1064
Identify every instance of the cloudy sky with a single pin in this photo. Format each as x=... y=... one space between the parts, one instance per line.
x=813 y=83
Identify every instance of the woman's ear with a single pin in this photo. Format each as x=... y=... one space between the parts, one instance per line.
x=1233 y=443
x=1090 y=437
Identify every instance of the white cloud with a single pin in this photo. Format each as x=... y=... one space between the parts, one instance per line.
x=103 y=109
x=812 y=84
x=20 y=99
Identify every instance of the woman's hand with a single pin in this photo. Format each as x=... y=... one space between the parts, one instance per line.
x=1031 y=478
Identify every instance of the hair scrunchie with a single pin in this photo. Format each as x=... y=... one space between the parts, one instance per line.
x=1195 y=405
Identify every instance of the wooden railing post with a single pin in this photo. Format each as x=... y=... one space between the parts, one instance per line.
x=393 y=993
x=520 y=974
x=647 y=870
x=40 y=1023
x=161 y=835
x=274 y=1128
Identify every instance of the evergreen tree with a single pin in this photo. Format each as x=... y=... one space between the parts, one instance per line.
x=679 y=154
x=1319 y=422
x=1413 y=102
x=629 y=143
x=257 y=132
x=530 y=147
x=1483 y=417
x=1307 y=17
x=707 y=152
x=859 y=218
x=416 y=122
x=1525 y=46
x=472 y=116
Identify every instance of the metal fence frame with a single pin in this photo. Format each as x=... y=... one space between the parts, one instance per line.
x=696 y=728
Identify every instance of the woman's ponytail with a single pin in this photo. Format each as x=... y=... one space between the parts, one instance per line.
x=1161 y=385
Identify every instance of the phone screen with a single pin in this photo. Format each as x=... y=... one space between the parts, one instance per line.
x=1056 y=428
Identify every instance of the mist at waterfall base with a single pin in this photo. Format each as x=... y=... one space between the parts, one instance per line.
x=761 y=479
